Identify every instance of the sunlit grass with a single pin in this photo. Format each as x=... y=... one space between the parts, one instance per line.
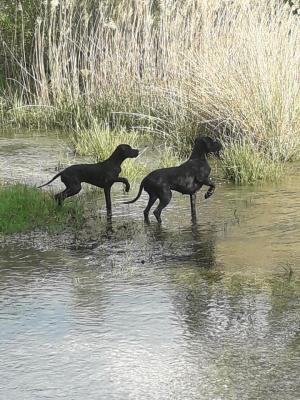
x=231 y=67
x=24 y=208
x=100 y=142
x=242 y=163
x=168 y=157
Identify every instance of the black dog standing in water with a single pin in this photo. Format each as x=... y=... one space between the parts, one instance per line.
x=103 y=174
x=187 y=178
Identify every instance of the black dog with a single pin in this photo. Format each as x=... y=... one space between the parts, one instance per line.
x=187 y=178
x=103 y=174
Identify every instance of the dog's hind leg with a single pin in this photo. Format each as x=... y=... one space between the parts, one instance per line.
x=164 y=200
x=152 y=200
x=68 y=192
x=59 y=197
x=193 y=207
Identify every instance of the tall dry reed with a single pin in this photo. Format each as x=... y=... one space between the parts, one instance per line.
x=174 y=67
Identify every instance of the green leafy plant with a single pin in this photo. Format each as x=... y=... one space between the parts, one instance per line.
x=24 y=208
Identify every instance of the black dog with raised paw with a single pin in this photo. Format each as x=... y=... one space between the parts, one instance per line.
x=102 y=174
x=187 y=178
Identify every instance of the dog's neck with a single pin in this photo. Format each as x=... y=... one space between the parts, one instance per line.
x=116 y=158
x=197 y=154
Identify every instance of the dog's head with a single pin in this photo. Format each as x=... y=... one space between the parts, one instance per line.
x=205 y=144
x=126 y=151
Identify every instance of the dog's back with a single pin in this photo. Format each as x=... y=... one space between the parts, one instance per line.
x=182 y=179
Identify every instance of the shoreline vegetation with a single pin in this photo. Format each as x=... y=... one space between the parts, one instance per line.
x=120 y=69
x=24 y=208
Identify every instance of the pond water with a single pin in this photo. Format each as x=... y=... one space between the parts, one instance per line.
x=128 y=311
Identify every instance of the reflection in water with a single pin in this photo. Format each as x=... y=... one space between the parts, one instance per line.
x=194 y=243
x=121 y=310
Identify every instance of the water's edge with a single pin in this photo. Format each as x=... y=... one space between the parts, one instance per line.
x=126 y=311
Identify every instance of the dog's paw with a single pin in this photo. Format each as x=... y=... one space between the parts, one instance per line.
x=208 y=194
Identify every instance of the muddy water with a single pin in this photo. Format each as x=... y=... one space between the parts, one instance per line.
x=126 y=311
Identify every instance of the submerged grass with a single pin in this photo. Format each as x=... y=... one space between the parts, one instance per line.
x=24 y=208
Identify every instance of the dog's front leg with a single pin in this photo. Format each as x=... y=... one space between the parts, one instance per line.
x=108 y=200
x=125 y=181
x=193 y=206
x=211 y=187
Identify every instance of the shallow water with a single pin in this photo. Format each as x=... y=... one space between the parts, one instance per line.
x=126 y=311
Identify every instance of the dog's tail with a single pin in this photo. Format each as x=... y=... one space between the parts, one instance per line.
x=138 y=195
x=45 y=184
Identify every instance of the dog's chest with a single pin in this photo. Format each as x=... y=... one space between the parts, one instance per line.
x=185 y=185
x=101 y=175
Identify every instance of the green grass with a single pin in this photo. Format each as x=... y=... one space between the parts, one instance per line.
x=24 y=208
x=99 y=143
x=242 y=163
x=169 y=157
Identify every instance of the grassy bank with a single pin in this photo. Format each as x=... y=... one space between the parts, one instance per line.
x=240 y=162
x=182 y=68
x=23 y=208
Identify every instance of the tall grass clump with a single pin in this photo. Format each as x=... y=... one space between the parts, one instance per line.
x=177 y=68
x=243 y=164
x=99 y=142
x=24 y=208
x=168 y=157
x=244 y=81
x=2 y=110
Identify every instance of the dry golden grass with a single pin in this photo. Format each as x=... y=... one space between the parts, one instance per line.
x=231 y=66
